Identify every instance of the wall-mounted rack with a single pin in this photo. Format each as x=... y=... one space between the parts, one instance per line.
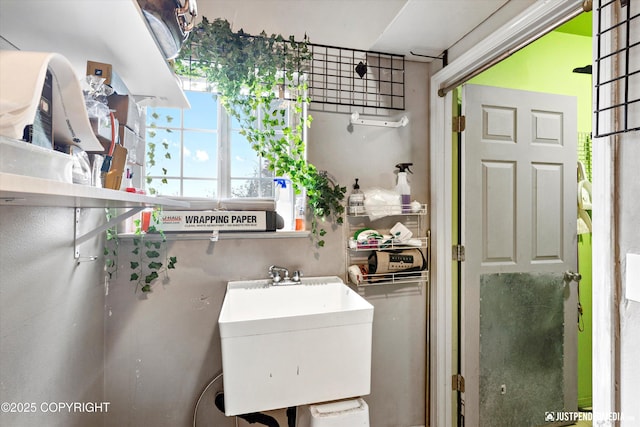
x=609 y=56
x=357 y=253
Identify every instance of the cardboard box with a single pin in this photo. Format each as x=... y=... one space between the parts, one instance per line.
x=102 y=130
x=113 y=178
x=127 y=112
x=133 y=143
x=224 y=221
x=99 y=69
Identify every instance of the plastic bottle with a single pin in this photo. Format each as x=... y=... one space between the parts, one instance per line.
x=300 y=226
x=356 y=200
x=284 y=202
x=403 y=187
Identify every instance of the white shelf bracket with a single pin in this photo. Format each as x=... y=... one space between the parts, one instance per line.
x=356 y=120
x=79 y=239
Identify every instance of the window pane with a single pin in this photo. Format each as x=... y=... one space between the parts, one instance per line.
x=171 y=188
x=172 y=142
x=199 y=188
x=203 y=113
x=163 y=117
x=251 y=187
x=245 y=162
x=200 y=155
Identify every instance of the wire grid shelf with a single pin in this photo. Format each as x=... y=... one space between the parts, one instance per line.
x=356 y=78
x=626 y=56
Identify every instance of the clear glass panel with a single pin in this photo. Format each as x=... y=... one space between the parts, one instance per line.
x=163 y=117
x=251 y=187
x=200 y=155
x=244 y=161
x=171 y=188
x=203 y=113
x=200 y=188
x=165 y=143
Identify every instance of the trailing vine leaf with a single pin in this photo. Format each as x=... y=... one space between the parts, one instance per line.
x=255 y=78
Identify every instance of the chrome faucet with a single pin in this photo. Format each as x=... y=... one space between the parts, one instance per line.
x=274 y=272
x=276 y=278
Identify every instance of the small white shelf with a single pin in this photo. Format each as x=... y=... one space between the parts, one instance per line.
x=22 y=190
x=114 y=32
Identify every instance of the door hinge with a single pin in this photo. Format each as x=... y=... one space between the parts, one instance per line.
x=459 y=124
x=457 y=253
x=457 y=383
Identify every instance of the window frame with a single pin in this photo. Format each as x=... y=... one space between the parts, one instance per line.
x=224 y=132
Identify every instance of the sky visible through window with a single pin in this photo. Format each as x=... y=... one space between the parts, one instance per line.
x=202 y=145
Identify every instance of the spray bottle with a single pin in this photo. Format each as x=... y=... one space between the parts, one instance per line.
x=403 y=187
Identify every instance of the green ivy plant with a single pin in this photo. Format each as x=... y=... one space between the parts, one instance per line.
x=149 y=256
x=152 y=132
x=252 y=75
x=149 y=247
x=146 y=264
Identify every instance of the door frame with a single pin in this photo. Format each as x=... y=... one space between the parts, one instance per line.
x=534 y=22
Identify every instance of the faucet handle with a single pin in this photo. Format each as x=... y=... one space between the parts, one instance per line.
x=275 y=275
x=297 y=275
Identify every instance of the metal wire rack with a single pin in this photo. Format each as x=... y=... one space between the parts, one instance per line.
x=339 y=76
x=626 y=57
x=351 y=77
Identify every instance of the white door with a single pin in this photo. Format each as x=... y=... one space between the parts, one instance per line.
x=518 y=320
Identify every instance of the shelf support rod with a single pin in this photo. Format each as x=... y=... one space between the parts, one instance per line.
x=79 y=239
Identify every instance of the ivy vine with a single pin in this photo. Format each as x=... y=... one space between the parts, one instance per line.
x=255 y=78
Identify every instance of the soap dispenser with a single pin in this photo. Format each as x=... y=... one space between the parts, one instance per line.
x=356 y=200
x=403 y=187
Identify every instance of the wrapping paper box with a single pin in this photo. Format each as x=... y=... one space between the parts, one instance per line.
x=217 y=220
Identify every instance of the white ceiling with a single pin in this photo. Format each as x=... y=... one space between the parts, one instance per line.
x=424 y=27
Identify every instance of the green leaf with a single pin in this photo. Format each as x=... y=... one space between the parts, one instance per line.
x=152 y=254
x=150 y=277
x=146 y=288
x=155 y=265
x=134 y=265
x=134 y=277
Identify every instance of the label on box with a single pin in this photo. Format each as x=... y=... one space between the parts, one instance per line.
x=213 y=220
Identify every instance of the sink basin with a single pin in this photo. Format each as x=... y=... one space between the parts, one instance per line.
x=291 y=345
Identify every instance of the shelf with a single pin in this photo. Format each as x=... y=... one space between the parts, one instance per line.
x=394 y=279
x=421 y=243
x=387 y=211
x=22 y=190
x=114 y=32
x=357 y=254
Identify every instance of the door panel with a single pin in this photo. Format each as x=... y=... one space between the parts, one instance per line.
x=499 y=206
x=519 y=232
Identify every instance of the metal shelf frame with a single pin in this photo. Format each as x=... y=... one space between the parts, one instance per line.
x=626 y=105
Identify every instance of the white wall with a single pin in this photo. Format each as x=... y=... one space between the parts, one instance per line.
x=629 y=242
x=629 y=235
x=163 y=348
x=51 y=317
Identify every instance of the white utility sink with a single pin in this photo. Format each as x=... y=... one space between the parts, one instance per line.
x=290 y=345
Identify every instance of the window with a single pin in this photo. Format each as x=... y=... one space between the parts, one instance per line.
x=208 y=157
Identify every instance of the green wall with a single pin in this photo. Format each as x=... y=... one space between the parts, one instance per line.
x=547 y=66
